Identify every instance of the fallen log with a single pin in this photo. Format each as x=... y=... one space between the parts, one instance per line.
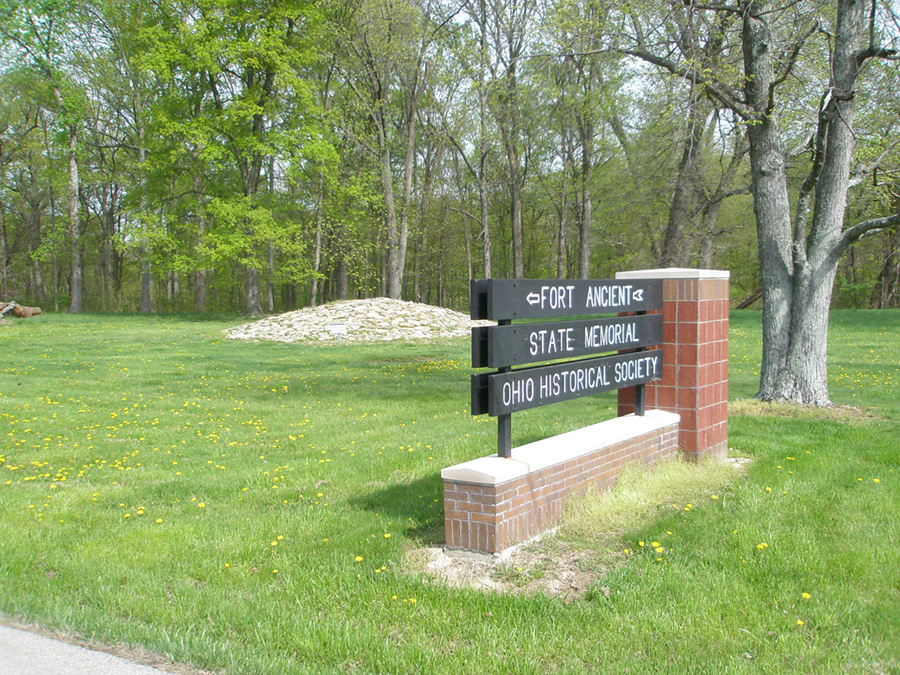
x=749 y=301
x=17 y=310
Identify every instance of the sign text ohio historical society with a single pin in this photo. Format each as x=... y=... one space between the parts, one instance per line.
x=542 y=385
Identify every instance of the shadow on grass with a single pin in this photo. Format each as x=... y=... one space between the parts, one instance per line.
x=419 y=503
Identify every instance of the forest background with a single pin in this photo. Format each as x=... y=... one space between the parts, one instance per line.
x=226 y=155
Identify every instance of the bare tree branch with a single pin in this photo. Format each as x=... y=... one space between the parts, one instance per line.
x=861 y=229
x=862 y=171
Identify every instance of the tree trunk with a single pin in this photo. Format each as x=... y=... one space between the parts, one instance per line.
x=77 y=286
x=408 y=169
x=201 y=277
x=393 y=263
x=146 y=264
x=584 y=227
x=317 y=242
x=707 y=243
x=106 y=259
x=270 y=283
x=515 y=207
x=146 y=282
x=562 y=232
x=252 y=297
x=4 y=243
x=200 y=295
x=770 y=199
x=483 y=148
x=343 y=292
x=675 y=253
x=886 y=292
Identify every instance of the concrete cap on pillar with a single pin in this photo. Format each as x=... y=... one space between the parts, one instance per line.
x=674 y=273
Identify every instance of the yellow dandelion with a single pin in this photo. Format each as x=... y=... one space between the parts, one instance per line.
x=800 y=622
x=806 y=596
x=387 y=535
x=358 y=558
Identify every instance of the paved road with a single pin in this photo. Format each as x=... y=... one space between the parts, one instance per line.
x=24 y=653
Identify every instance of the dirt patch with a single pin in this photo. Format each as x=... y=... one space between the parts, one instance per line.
x=838 y=413
x=536 y=568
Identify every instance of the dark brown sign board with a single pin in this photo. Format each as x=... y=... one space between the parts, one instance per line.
x=505 y=300
x=500 y=299
x=504 y=393
x=521 y=344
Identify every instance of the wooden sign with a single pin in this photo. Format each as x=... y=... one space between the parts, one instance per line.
x=504 y=300
x=521 y=344
x=499 y=299
x=505 y=393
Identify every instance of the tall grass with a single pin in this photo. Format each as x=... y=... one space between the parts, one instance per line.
x=246 y=507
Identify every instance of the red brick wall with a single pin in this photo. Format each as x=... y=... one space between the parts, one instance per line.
x=695 y=357
x=489 y=518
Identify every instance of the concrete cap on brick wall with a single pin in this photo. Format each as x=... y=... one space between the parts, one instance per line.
x=494 y=470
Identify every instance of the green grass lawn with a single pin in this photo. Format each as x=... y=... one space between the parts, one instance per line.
x=247 y=507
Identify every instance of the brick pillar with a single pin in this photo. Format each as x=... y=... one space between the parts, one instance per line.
x=695 y=358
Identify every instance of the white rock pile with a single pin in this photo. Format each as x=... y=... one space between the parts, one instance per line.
x=373 y=319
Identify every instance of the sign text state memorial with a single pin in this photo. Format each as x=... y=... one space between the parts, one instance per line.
x=516 y=345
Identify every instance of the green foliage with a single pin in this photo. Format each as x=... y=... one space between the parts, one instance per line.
x=208 y=131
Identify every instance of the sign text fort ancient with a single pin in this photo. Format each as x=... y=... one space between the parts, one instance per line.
x=505 y=345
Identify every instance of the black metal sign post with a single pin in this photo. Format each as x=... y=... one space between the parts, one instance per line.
x=505 y=345
x=639 y=397
x=504 y=421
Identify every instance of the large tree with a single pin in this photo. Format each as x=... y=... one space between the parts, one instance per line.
x=798 y=254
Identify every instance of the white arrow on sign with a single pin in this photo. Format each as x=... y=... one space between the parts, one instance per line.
x=533 y=298
x=638 y=295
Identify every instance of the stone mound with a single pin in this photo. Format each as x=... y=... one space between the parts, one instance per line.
x=373 y=319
